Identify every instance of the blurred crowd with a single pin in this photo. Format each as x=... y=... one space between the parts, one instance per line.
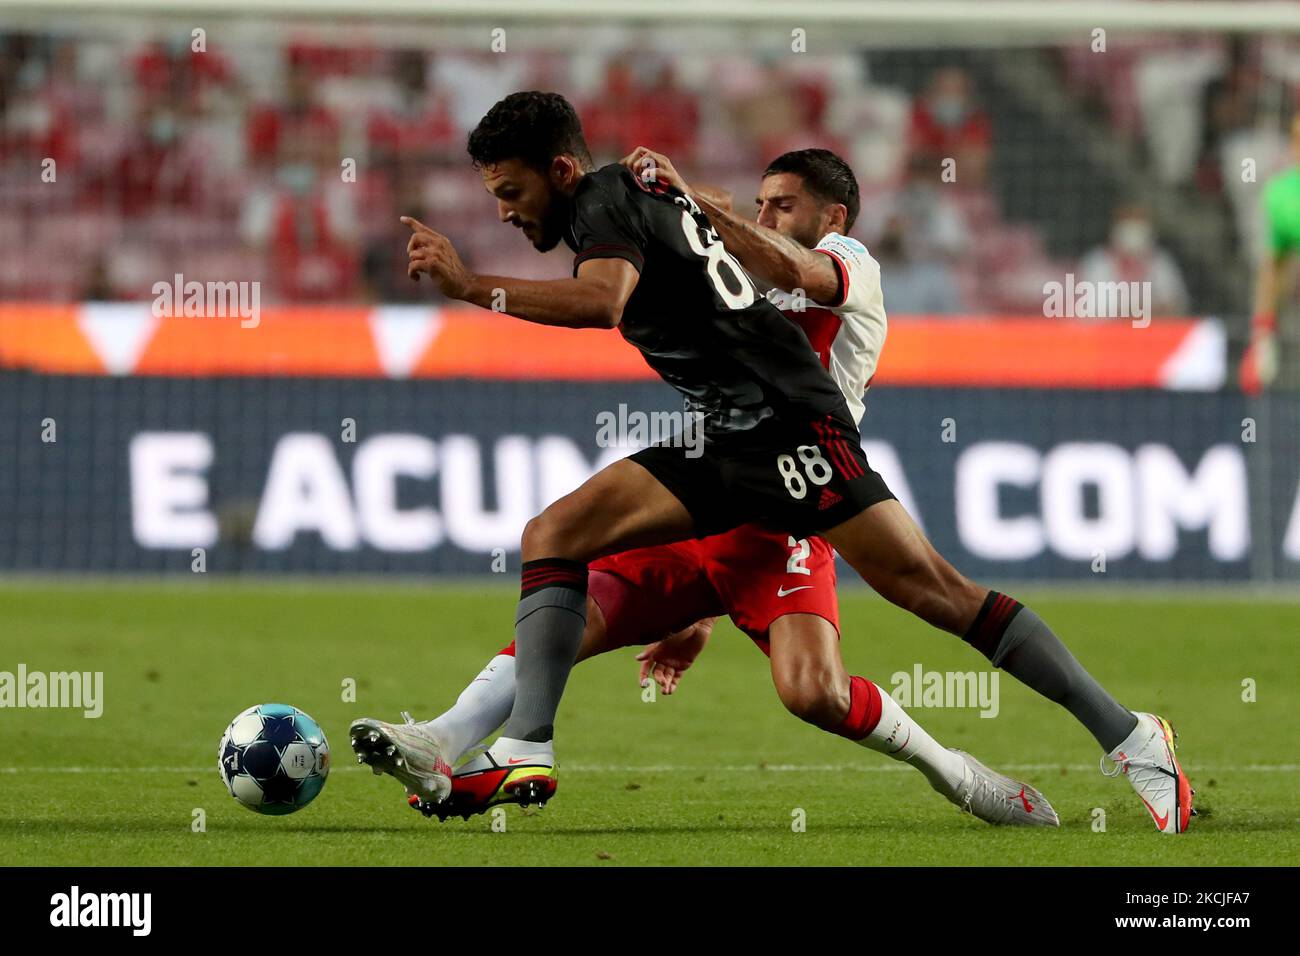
x=123 y=163
x=1208 y=114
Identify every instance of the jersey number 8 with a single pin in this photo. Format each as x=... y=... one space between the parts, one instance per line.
x=815 y=467
x=716 y=254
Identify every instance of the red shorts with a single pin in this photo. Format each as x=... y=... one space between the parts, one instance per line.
x=751 y=574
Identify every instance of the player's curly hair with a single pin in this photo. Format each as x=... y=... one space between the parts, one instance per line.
x=825 y=175
x=530 y=126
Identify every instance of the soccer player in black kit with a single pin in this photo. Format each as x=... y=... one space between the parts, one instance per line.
x=780 y=447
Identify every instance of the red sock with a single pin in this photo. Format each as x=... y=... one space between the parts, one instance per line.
x=508 y=650
x=864 y=709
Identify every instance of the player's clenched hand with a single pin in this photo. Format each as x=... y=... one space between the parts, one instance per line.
x=432 y=252
x=651 y=167
x=668 y=659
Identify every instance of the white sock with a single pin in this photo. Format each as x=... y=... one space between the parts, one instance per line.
x=481 y=708
x=899 y=736
x=504 y=748
x=1142 y=734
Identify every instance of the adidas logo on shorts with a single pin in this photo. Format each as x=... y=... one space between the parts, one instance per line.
x=829 y=499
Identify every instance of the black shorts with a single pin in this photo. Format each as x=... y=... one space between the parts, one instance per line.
x=799 y=478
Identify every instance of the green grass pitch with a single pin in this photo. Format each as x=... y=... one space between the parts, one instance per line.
x=713 y=775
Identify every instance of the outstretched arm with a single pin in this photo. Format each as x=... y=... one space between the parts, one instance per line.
x=717 y=197
x=1259 y=364
x=774 y=257
x=668 y=659
x=593 y=299
x=764 y=252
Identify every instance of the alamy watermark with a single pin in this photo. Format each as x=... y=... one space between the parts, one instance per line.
x=922 y=688
x=1085 y=299
x=130 y=910
x=637 y=429
x=208 y=300
x=78 y=690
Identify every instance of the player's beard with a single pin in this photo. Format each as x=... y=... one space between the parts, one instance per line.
x=548 y=240
x=808 y=238
x=551 y=226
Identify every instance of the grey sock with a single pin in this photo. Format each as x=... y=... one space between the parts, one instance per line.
x=548 y=633
x=1032 y=654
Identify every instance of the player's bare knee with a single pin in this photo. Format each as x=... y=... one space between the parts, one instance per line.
x=814 y=698
x=801 y=702
x=548 y=535
x=533 y=540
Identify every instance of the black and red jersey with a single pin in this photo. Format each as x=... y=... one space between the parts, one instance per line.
x=694 y=314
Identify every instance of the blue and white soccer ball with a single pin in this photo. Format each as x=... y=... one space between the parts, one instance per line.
x=274 y=759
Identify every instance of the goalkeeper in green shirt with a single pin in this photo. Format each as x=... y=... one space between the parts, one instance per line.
x=1259 y=366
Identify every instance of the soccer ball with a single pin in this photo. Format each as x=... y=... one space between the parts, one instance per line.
x=273 y=759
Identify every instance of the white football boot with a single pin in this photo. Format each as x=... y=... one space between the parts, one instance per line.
x=1147 y=759
x=526 y=769
x=484 y=781
x=405 y=751
x=998 y=799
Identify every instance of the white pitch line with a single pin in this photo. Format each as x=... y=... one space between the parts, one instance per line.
x=896 y=768
x=720 y=768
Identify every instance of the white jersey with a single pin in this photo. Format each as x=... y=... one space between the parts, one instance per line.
x=847 y=336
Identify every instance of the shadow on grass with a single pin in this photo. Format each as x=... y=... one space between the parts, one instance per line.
x=62 y=828
x=535 y=829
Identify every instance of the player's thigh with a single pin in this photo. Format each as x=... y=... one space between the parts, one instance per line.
x=594 y=635
x=762 y=575
x=644 y=595
x=807 y=668
x=891 y=553
x=620 y=507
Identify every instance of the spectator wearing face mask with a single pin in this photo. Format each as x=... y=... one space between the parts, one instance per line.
x=298 y=121
x=300 y=213
x=947 y=123
x=305 y=222
x=153 y=169
x=1131 y=255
